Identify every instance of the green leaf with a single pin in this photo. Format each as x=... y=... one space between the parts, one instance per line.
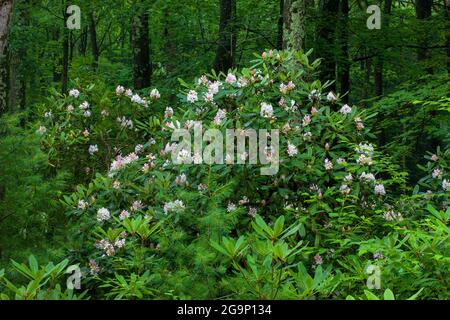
x=414 y=296
x=389 y=295
x=370 y=295
x=278 y=227
x=33 y=264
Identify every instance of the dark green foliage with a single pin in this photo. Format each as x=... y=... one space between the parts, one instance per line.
x=227 y=232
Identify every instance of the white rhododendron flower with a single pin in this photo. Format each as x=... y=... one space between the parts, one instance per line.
x=328 y=164
x=168 y=112
x=208 y=97
x=231 y=207
x=181 y=179
x=345 y=189
x=446 y=185
x=125 y=123
x=129 y=93
x=331 y=97
x=74 y=93
x=137 y=205
x=82 y=205
x=103 y=214
x=252 y=211
x=120 y=243
x=214 y=87
x=306 y=120
x=346 y=109
x=137 y=99
x=120 y=90
x=84 y=106
x=285 y=88
x=365 y=148
x=124 y=214
x=364 y=160
x=121 y=162
x=314 y=95
x=220 y=116
x=291 y=150
x=367 y=176
x=231 y=78
x=266 y=110
x=184 y=156
x=348 y=178
x=437 y=173
x=379 y=190
x=154 y=94
x=42 y=130
x=391 y=216
x=174 y=206
x=242 y=82
x=192 y=96
x=93 y=149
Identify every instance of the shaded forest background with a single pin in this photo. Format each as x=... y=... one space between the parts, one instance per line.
x=144 y=44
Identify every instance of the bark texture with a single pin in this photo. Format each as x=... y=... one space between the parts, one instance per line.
x=226 y=49
x=5 y=17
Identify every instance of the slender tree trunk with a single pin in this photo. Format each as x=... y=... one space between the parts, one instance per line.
x=423 y=12
x=169 y=45
x=225 y=54
x=344 y=64
x=56 y=56
x=94 y=45
x=286 y=22
x=280 y=25
x=140 y=38
x=71 y=46
x=447 y=11
x=5 y=17
x=294 y=19
x=326 y=39
x=18 y=71
x=82 y=47
x=65 y=58
x=378 y=69
x=379 y=60
x=367 y=67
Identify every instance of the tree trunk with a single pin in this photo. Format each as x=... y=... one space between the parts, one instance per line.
x=65 y=58
x=16 y=56
x=447 y=11
x=344 y=64
x=71 y=46
x=5 y=17
x=280 y=25
x=294 y=18
x=83 y=41
x=379 y=60
x=367 y=67
x=378 y=73
x=423 y=12
x=56 y=57
x=94 y=45
x=226 y=48
x=326 y=40
x=140 y=39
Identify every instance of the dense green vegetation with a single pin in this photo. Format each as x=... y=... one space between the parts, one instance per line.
x=90 y=185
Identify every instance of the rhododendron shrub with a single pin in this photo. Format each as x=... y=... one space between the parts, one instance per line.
x=197 y=230
x=84 y=130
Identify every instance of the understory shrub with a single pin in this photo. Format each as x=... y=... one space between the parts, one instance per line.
x=336 y=208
